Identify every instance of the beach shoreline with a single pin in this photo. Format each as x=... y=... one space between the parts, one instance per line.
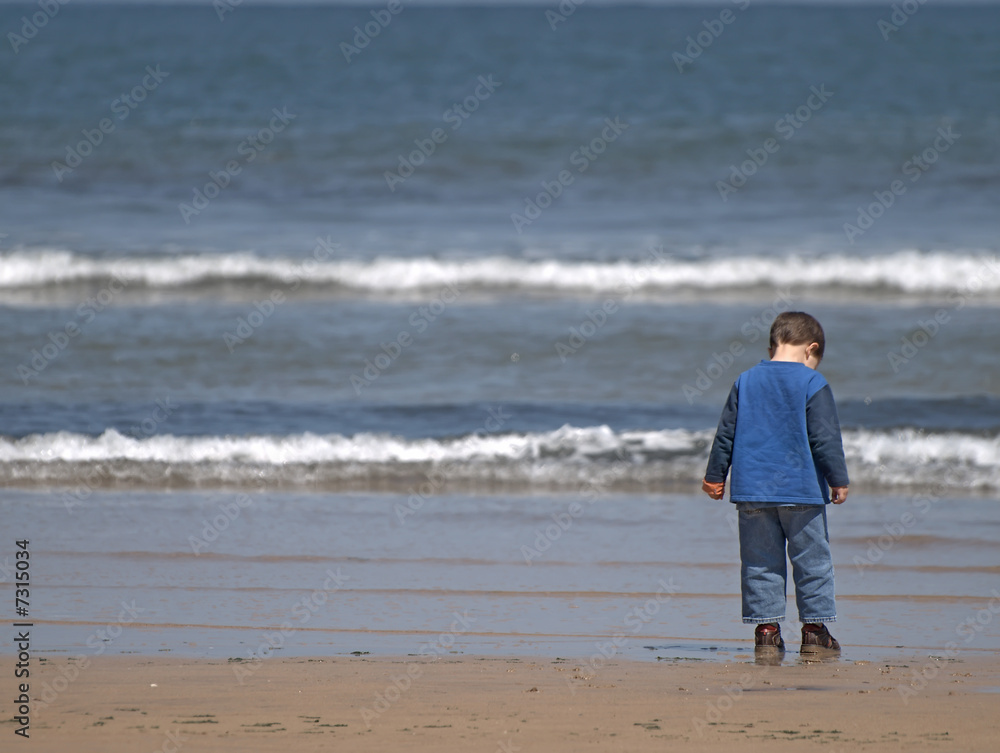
x=125 y=703
x=217 y=577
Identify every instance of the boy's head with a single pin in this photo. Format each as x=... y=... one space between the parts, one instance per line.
x=797 y=328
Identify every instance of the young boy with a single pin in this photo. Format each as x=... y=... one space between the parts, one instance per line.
x=780 y=433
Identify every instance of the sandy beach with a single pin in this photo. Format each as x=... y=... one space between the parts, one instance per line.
x=128 y=703
x=315 y=618
x=362 y=369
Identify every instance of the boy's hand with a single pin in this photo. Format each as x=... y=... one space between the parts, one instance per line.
x=714 y=489
x=839 y=495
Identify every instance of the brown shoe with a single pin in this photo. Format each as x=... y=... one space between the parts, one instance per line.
x=817 y=639
x=767 y=637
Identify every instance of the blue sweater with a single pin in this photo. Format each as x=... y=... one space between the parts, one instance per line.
x=780 y=433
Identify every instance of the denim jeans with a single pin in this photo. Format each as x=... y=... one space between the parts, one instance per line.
x=764 y=534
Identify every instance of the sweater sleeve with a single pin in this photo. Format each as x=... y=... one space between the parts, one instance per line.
x=721 y=456
x=823 y=427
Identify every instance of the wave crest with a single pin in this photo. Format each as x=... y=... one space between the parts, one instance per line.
x=569 y=458
x=903 y=272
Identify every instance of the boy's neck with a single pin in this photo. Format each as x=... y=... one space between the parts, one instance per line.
x=804 y=353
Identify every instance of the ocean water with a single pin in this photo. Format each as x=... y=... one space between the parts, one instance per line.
x=486 y=244
x=632 y=576
x=403 y=304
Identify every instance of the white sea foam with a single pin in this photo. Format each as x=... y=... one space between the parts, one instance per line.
x=908 y=271
x=568 y=443
x=567 y=456
x=910 y=455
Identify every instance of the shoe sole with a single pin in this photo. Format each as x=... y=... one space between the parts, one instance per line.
x=812 y=648
x=770 y=646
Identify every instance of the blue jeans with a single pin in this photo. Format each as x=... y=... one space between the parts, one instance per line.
x=764 y=534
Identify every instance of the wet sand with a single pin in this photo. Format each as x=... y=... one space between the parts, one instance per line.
x=347 y=573
x=129 y=703
x=622 y=632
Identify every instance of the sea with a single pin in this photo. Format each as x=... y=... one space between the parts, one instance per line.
x=401 y=283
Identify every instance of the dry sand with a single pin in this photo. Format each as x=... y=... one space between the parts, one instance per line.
x=136 y=703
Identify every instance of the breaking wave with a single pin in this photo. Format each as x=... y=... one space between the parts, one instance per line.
x=904 y=272
x=569 y=458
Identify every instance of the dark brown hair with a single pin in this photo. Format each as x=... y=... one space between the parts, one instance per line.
x=797 y=328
